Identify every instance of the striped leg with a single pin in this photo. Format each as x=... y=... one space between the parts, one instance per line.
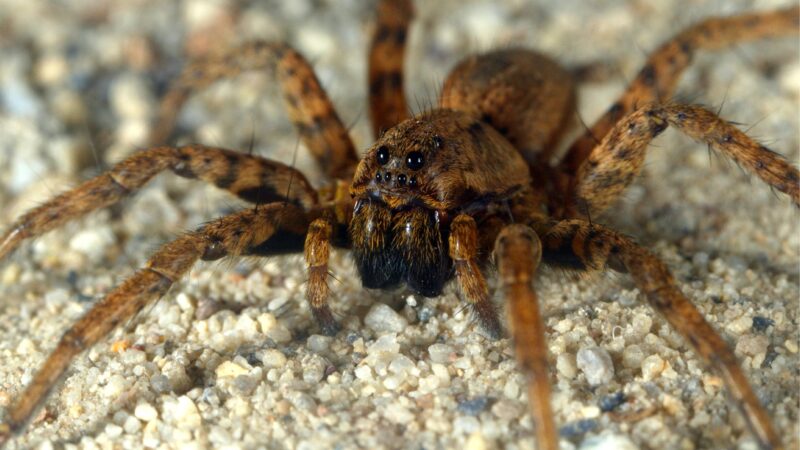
x=241 y=233
x=464 y=248
x=576 y=244
x=387 y=101
x=250 y=177
x=517 y=253
x=657 y=80
x=614 y=163
x=308 y=105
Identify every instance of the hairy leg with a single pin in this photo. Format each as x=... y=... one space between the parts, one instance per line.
x=387 y=101
x=308 y=105
x=576 y=244
x=250 y=177
x=464 y=246
x=614 y=163
x=657 y=80
x=241 y=233
x=317 y=254
x=517 y=254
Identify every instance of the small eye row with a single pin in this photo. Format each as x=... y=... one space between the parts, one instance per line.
x=402 y=179
x=414 y=160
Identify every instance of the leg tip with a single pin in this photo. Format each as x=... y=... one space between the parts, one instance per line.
x=487 y=316
x=325 y=320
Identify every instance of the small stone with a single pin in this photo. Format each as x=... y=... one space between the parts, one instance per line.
x=230 y=369
x=565 y=364
x=740 y=325
x=398 y=413
x=441 y=371
x=113 y=431
x=145 y=412
x=476 y=441
x=632 y=356
x=273 y=358
x=132 y=425
x=116 y=384
x=318 y=343
x=608 y=442
x=760 y=324
x=474 y=406
x=440 y=353
x=314 y=370
x=160 y=383
x=578 y=427
x=182 y=412
x=279 y=333
x=93 y=242
x=652 y=366
x=596 y=365
x=363 y=373
x=384 y=344
x=754 y=345
x=506 y=409
x=611 y=402
x=245 y=384
x=383 y=319
x=466 y=425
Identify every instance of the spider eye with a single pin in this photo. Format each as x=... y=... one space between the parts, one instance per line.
x=383 y=155
x=415 y=160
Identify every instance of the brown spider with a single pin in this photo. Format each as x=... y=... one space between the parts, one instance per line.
x=437 y=196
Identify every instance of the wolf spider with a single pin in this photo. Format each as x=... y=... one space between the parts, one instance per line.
x=436 y=197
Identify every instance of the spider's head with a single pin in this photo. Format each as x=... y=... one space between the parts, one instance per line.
x=440 y=160
x=396 y=169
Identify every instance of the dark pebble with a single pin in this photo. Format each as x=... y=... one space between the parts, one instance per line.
x=760 y=324
x=611 y=401
x=474 y=406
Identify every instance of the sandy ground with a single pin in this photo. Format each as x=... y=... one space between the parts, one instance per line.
x=230 y=358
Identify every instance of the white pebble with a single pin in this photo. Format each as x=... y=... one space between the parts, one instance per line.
x=182 y=412
x=740 y=326
x=318 y=343
x=132 y=425
x=596 y=365
x=383 y=319
x=113 y=431
x=279 y=333
x=145 y=412
x=466 y=425
x=632 y=356
x=652 y=366
x=384 y=344
x=565 y=364
x=230 y=369
x=363 y=373
x=116 y=384
x=398 y=413
x=440 y=353
x=273 y=358
x=608 y=442
x=93 y=242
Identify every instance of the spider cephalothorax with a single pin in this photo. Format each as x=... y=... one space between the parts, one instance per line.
x=413 y=181
x=436 y=195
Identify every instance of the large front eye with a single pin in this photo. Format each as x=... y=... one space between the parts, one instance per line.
x=383 y=155
x=415 y=160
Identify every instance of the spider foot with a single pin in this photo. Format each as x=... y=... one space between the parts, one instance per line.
x=486 y=314
x=325 y=320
